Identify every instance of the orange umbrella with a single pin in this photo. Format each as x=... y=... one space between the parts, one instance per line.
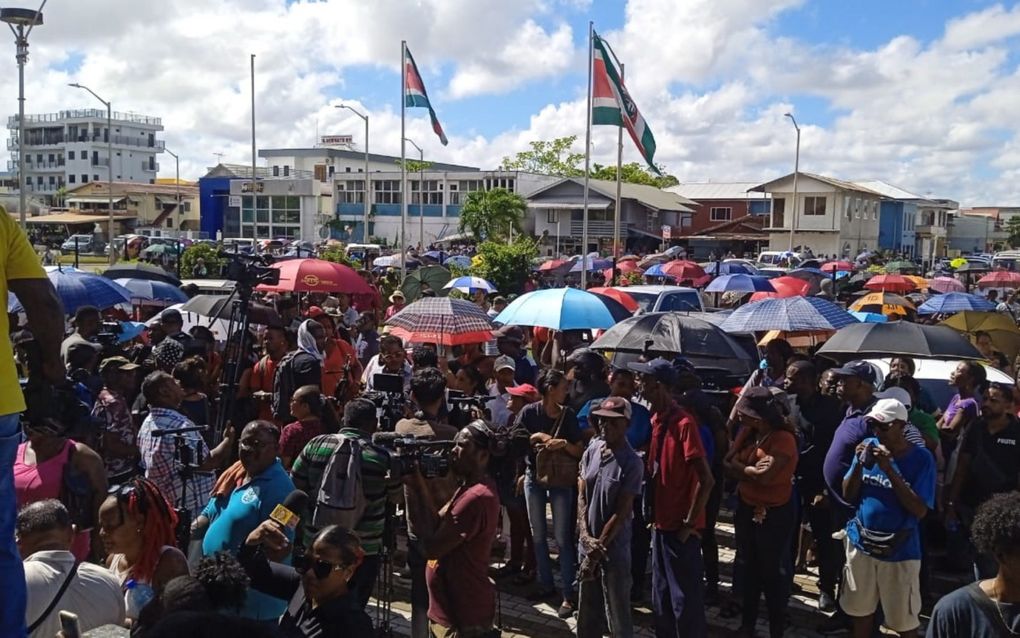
x=785 y=287
x=890 y=283
x=681 y=270
x=625 y=300
x=888 y=304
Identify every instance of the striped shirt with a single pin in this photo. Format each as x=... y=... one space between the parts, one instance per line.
x=161 y=467
x=308 y=471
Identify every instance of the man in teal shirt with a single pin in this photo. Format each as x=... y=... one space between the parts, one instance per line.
x=230 y=518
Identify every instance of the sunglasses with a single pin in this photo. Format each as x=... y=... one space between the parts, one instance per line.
x=320 y=568
x=124 y=493
x=878 y=425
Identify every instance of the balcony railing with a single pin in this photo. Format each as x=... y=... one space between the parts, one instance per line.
x=100 y=161
x=152 y=167
x=597 y=228
x=84 y=114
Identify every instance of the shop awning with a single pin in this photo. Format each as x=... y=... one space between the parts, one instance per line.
x=95 y=200
x=77 y=218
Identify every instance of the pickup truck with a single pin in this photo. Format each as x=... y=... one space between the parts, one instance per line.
x=664 y=298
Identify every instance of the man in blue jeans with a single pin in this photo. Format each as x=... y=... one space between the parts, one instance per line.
x=21 y=273
x=678 y=488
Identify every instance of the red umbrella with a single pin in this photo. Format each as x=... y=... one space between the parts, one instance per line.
x=552 y=264
x=831 y=266
x=317 y=275
x=785 y=287
x=890 y=283
x=1000 y=279
x=682 y=270
x=625 y=300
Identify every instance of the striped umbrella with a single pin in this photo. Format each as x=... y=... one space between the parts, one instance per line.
x=789 y=314
x=451 y=322
x=469 y=285
x=953 y=302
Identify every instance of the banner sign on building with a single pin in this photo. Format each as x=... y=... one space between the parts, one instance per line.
x=336 y=140
x=667 y=232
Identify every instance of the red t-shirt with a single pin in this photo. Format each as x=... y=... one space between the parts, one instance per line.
x=262 y=375
x=460 y=594
x=676 y=481
x=296 y=436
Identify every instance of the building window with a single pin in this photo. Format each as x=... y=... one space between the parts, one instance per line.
x=84 y=178
x=387 y=191
x=720 y=214
x=857 y=207
x=70 y=178
x=70 y=155
x=814 y=205
x=552 y=216
x=874 y=210
x=95 y=178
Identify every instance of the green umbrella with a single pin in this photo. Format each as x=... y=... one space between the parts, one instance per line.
x=435 y=277
x=900 y=266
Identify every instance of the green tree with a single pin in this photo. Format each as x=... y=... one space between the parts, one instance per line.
x=506 y=265
x=336 y=254
x=1013 y=228
x=491 y=214
x=548 y=158
x=634 y=173
x=414 y=166
x=208 y=253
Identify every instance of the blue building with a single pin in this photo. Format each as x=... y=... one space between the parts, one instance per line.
x=897 y=218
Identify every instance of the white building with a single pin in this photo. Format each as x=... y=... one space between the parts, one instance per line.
x=325 y=162
x=69 y=148
x=833 y=216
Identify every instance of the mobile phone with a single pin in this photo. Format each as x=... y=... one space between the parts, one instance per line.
x=69 y=625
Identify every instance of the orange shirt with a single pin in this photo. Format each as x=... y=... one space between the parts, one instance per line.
x=338 y=354
x=262 y=375
x=776 y=491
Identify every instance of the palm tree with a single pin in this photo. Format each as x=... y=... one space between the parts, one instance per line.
x=60 y=195
x=493 y=214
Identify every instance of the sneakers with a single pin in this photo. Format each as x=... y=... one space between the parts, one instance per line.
x=566 y=610
x=826 y=603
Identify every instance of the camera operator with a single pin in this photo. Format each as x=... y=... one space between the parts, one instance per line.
x=428 y=391
x=391 y=360
x=173 y=325
x=86 y=322
x=20 y=272
x=299 y=368
x=455 y=536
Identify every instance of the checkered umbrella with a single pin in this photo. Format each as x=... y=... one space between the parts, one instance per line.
x=451 y=322
x=953 y=302
x=788 y=313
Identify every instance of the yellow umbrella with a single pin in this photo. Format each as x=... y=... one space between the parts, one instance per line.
x=958 y=262
x=921 y=282
x=886 y=303
x=1000 y=327
x=797 y=338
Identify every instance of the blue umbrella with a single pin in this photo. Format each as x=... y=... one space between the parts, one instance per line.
x=954 y=302
x=129 y=330
x=461 y=261
x=869 y=317
x=740 y=283
x=656 y=271
x=437 y=255
x=730 y=268
x=593 y=264
x=152 y=290
x=562 y=309
x=77 y=289
x=789 y=314
x=469 y=284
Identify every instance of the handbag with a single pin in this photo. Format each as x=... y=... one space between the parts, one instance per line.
x=880 y=544
x=556 y=468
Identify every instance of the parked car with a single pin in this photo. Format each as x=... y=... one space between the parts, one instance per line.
x=663 y=298
x=933 y=375
x=83 y=243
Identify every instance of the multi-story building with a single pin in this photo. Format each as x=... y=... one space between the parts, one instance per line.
x=142 y=206
x=897 y=217
x=69 y=148
x=720 y=202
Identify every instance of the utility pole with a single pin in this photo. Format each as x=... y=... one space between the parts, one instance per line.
x=368 y=190
x=796 y=172
x=109 y=166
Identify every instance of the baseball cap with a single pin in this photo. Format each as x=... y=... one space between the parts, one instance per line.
x=504 y=362
x=613 y=407
x=510 y=333
x=171 y=314
x=315 y=311
x=860 y=369
x=117 y=363
x=661 y=369
x=899 y=394
x=525 y=390
x=887 y=411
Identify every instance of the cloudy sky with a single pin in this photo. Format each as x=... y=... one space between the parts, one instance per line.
x=921 y=93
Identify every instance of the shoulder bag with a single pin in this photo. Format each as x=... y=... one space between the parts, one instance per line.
x=556 y=468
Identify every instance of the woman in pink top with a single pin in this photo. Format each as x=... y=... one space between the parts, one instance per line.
x=39 y=469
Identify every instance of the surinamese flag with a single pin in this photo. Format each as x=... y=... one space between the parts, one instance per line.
x=416 y=96
x=612 y=105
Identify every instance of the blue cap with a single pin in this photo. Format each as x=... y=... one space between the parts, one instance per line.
x=661 y=369
x=860 y=369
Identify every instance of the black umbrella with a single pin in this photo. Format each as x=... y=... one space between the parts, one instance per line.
x=881 y=340
x=140 y=270
x=220 y=307
x=670 y=332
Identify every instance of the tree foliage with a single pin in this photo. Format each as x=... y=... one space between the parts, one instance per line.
x=1013 y=228
x=506 y=265
x=491 y=214
x=554 y=157
x=634 y=173
x=208 y=253
x=414 y=166
x=336 y=254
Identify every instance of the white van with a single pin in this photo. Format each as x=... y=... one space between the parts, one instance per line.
x=775 y=257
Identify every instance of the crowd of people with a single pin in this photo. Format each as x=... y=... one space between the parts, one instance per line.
x=606 y=484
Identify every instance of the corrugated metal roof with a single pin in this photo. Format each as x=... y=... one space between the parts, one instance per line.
x=717 y=190
x=886 y=189
x=650 y=196
x=832 y=181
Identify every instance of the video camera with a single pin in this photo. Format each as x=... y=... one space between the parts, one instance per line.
x=407 y=453
x=249 y=270
x=109 y=334
x=388 y=396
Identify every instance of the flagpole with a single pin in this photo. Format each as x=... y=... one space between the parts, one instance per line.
x=619 y=190
x=403 y=160
x=587 y=161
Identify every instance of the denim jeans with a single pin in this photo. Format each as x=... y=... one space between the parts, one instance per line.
x=606 y=599
x=12 y=574
x=563 y=510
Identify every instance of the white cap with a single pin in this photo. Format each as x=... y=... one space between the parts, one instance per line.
x=887 y=411
x=504 y=362
x=897 y=393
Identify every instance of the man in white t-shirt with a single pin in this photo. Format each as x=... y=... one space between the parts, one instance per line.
x=44 y=534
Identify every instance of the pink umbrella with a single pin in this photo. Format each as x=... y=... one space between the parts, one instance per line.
x=1000 y=279
x=946 y=284
x=890 y=283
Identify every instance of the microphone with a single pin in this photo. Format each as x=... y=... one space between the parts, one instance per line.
x=384 y=438
x=288 y=513
x=195 y=428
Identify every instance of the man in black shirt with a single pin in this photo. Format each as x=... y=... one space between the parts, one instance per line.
x=586 y=371
x=989 y=463
x=298 y=368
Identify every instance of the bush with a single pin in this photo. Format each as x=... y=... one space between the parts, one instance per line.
x=208 y=253
x=338 y=255
x=506 y=265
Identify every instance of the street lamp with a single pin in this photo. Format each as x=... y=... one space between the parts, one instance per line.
x=796 y=171
x=17 y=20
x=421 y=194
x=364 y=221
x=109 y=162
x=177 y=182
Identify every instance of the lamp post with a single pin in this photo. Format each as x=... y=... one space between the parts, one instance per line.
x=109 y=162
x=796 y=171
x=364 y=221
x=421 y=195
x=17 y=20
x=177 y=182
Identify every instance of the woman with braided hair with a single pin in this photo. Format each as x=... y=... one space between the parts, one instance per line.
x=138 y=529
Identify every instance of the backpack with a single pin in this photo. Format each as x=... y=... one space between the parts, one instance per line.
x=341 y=497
